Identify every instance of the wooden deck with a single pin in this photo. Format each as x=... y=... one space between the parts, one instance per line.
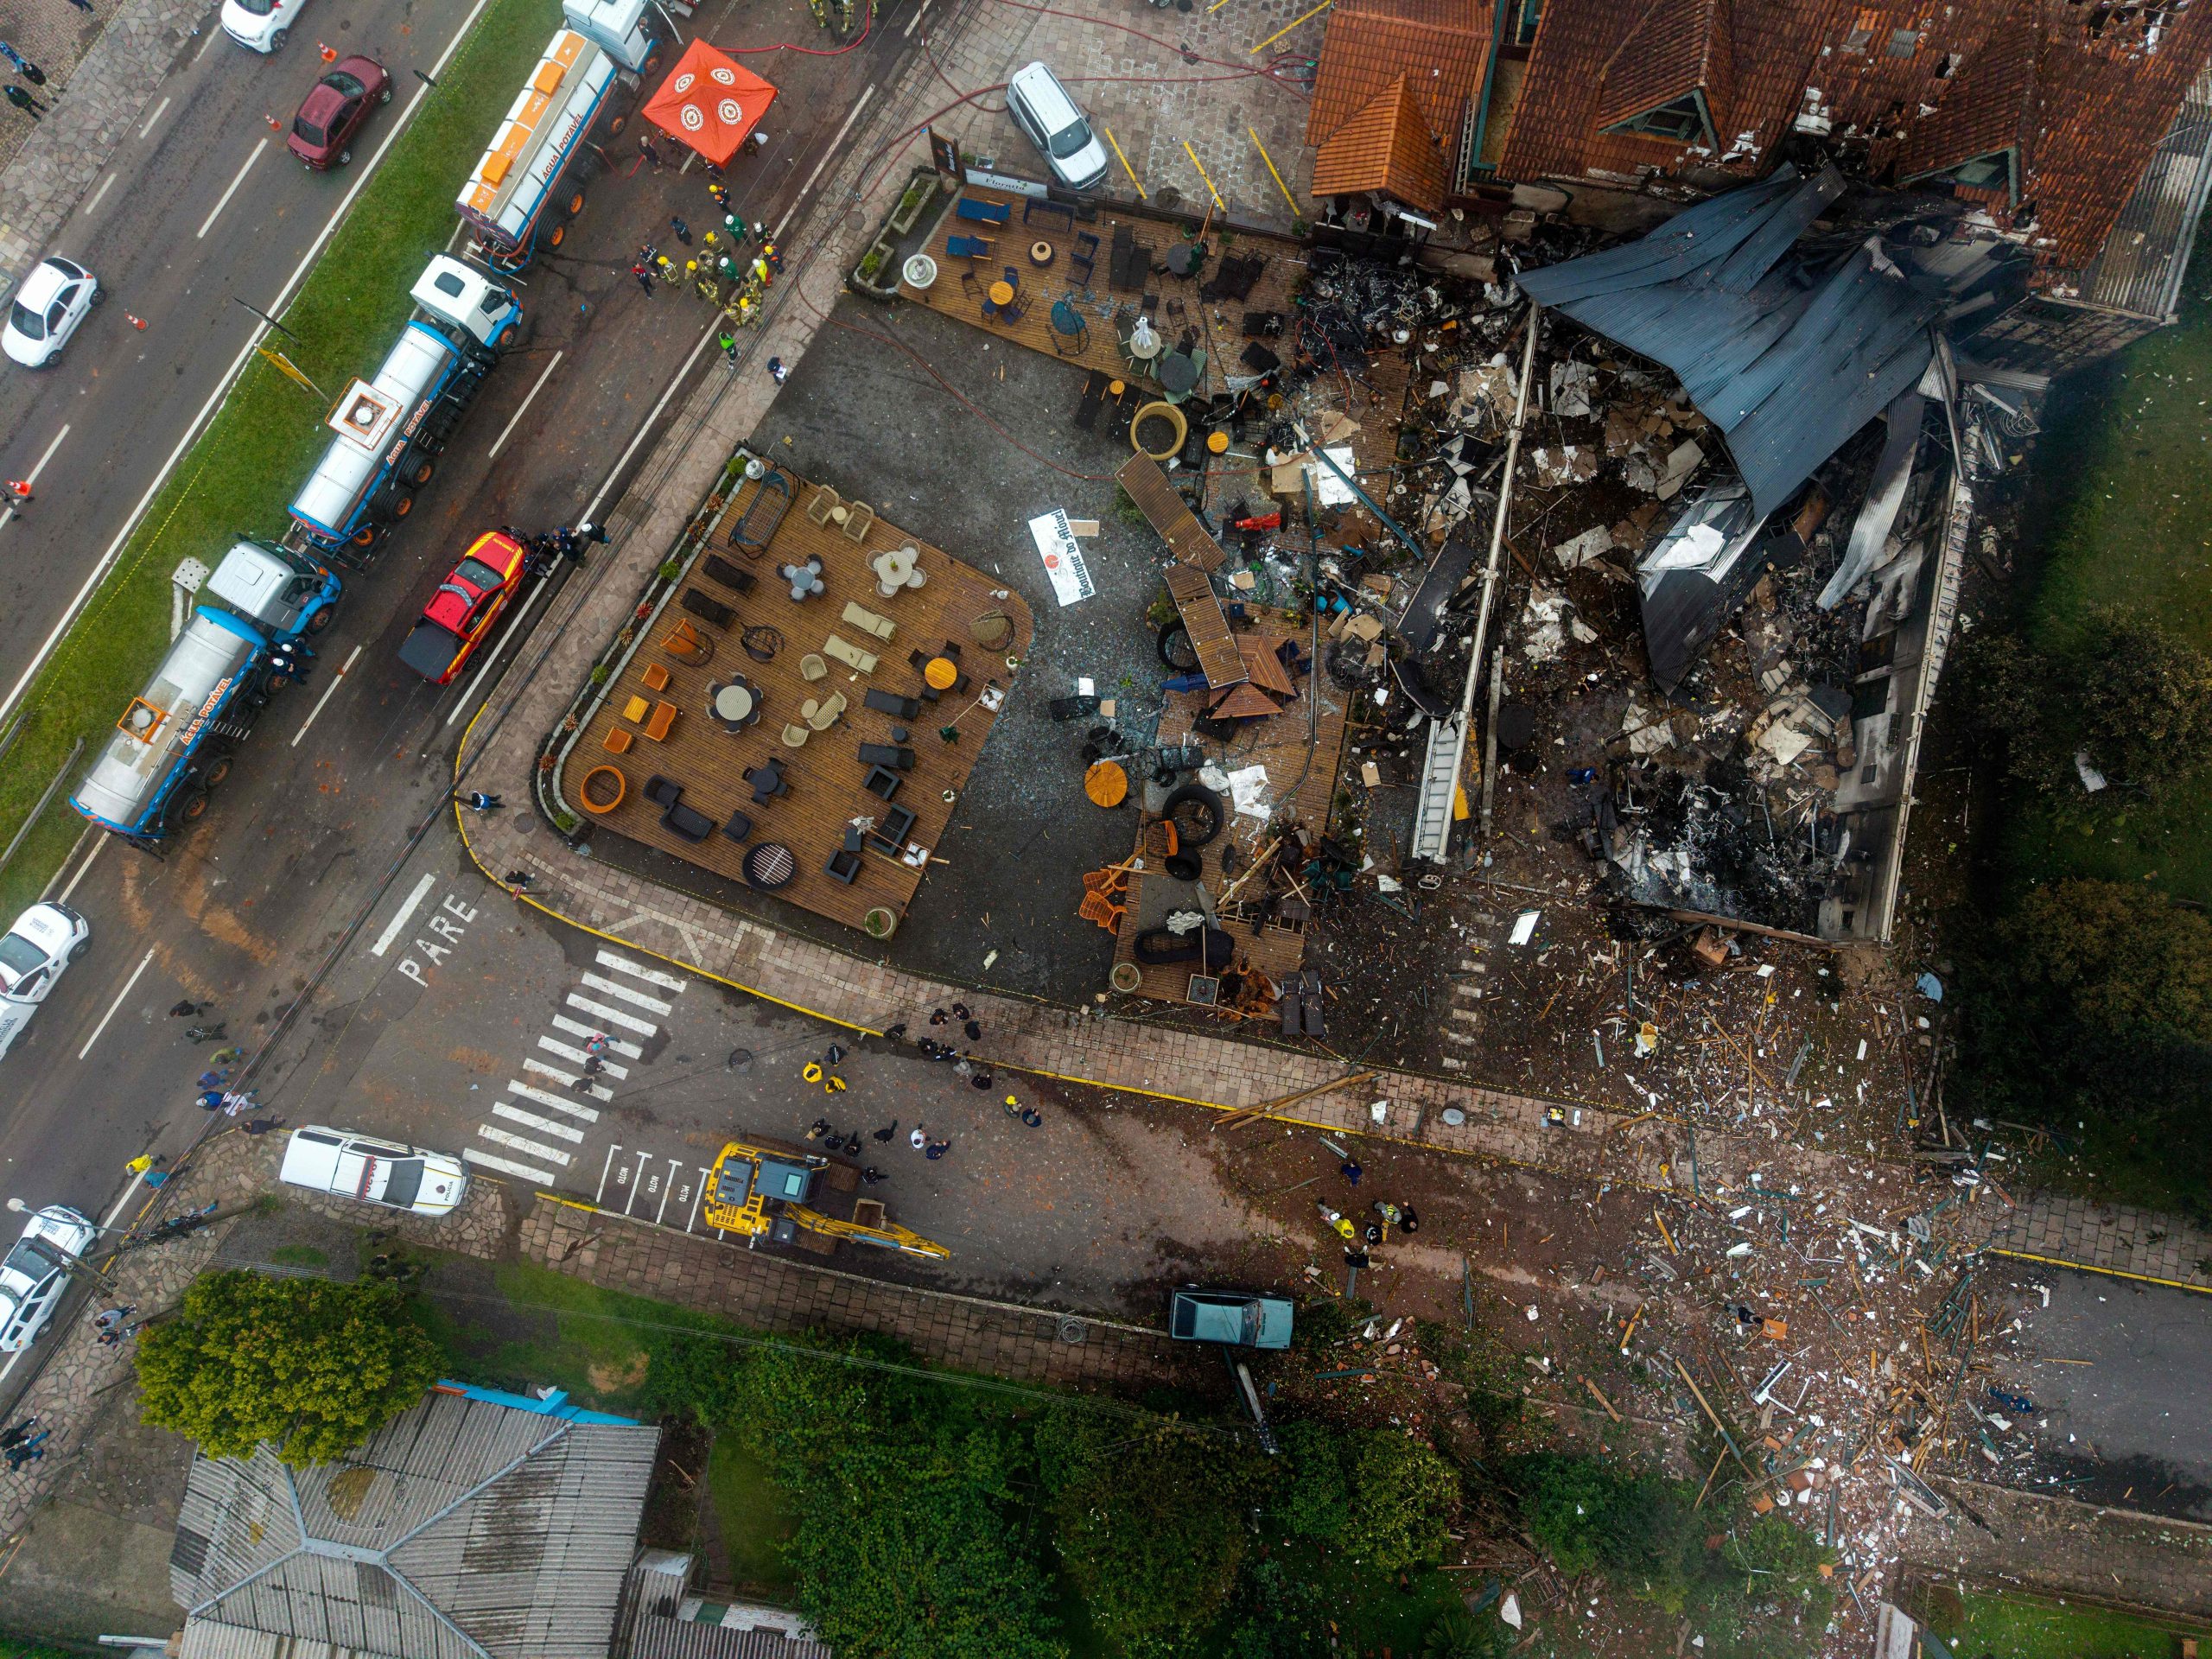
x=1281 y=744
x=825 y=774
x=1219 y=322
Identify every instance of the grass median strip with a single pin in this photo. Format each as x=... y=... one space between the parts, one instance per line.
x=261 y=444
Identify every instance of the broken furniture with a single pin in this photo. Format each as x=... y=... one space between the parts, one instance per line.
x=708 y=608
x=1159 y=431
x=978 y=211
x=806 y=579
x=1031 y=204
x=887 y=754
x=768 y=781
x=890 y=702
x=687 y=645
x=1183 y=257
x=1178 y=373
x=867 y=622
x=1071 y=333
x=1106 y=784
x=1168 y=514
x=1208 y=945
x=1206 y=623
x=991 y=631
x=602 y=789
x=892 y=828
x=1085 y=258
x=769 y=865
x=853 y=657
x=1299 y=1004
x=727 y=574
x=896 y=570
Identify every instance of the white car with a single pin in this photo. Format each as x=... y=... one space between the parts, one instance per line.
x=1040 y=106
x=36 y=1272
x=44 y=941
x=350 y=1165
x=260 y=25
x=52 y=302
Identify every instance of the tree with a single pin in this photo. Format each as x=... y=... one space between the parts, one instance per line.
x=313 y=1367
x=1315 y=1497
x=1403 y=1496
x=2141 y=696
x=2114 y=957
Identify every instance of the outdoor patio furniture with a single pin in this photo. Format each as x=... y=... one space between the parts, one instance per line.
x=892 y=828
x=708 y=608
x=993 y=631
x=727 y=574
x=1015 y=309
x=967 y=247
x=886 y=754
x=811 y=667
x=688 y=822
x=939 y=673
x=618 y=739
x=737 y=827
x=1060 y=209
x=890 y=702
x=882 y=781
x=664 y=718
x=844 y=866
x=1263 y=325
x=595 y=792
x=1083 y=257
x=867 y=621
x=794 y=737
x=1099 y=907
x=687 y=645
x=769 y=865
x=1071 y=333
x=824 y=503
x=978 y=211
x=663 y=792
x=820 y=714
x=637 y=709
x=767 y=780
x=806 y=579
x=1178 y=374
x=762 y=642
x=756 y=527
x=737 y=705
x=1000 y=294
x=1258 y=358
x=970 y=287
x=656 y=676
x=852 y=656
x=1183 y=257
x=859 y=521
x=1040 y=253
x=1106 y=784
x=897 y=569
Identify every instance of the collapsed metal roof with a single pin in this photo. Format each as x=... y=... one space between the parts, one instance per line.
x=1788 y=351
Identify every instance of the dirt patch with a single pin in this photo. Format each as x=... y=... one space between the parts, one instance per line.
x=608 y=1379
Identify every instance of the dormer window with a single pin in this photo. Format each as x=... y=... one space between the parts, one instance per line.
x=1681 y=120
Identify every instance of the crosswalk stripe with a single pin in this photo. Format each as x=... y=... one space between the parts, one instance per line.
x=506 y=1166
x=638 y=970
x=567 y=1079
x=521 y=1145
x=532 y=1121
x=561 y=1022
x=613 y=1016
x=559 y=1104
x=639 y=999
x=566 y=1053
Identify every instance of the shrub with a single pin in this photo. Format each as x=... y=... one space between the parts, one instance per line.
x=1403 y=1496
x=1315 y=1498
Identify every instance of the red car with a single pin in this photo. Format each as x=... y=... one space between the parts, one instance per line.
x=459 y=615
x=335 y=109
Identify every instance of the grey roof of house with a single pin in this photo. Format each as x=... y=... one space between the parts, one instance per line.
x=465 y=1529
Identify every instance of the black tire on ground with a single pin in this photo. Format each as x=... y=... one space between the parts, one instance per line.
x=321 y=618
x=391 y=504
x=276 y=40
x=78 y=949
x=1198 y=815
x=216 y=771
x=344 y=156
x=557 y=236
x=99 y=297
x=419 y=469
x=386 y=98
x=1175 y=649
x=187 y=805
x=575 y=203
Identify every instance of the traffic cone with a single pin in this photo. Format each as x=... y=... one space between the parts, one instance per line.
x=275 y=126
x=329 y=53
x=136 y=322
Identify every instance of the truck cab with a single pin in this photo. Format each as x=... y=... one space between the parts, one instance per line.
x=618 y=27
x=468 y=300
x=287 y=593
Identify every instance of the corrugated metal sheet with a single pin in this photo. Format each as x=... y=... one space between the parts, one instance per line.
x=654 y=1636
x=466 y=1528
x=2140 y=267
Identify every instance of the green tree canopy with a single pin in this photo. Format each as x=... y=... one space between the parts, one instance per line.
x=2115 y=958
x=313 y=1367
x=1402 y=1497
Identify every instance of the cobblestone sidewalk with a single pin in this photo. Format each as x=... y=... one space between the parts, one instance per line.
x=100 y=70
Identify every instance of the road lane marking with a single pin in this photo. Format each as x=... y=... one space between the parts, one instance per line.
x=613 y=1016
x=530 y=1092
x=118 y=1004
x=501 y=442
x=505 y=1166
x=82 y=867
x=327 y=692
x=159 y=109
x=911 y=22
x=98 y=194
x=603 y=1168
x=667 y=1187
x=638 y=970
x=208 y=224
x=868 y=92
x=698 y=1187
x=491 y=657
x=567 y=1079
x=532 y=1121
x=31 y=477
x=137 y=1181
x=635 y=999
x=403 y=915
x=577 y=1054
x=229 y=378
x=637 y=1180
x=628 y=1051
x=551 y=1154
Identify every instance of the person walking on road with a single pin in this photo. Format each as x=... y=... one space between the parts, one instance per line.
x=885 y=1133
x=23 y=101
x=24 y=66
x=588 y=531
x=727 y=341
x=776 y=369
x=226 y=1057
x=477 y=801
x=82 y=5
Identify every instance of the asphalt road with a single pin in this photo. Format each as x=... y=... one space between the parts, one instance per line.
x=318 y=815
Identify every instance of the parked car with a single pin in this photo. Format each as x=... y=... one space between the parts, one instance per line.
x=44 y=941
x=350 y=1165
x=261 y=25
x=36 y=1272
x=1040 y=106
x=54 y=299
x=468 y=601
x=335 y=109
x=1232 y=1317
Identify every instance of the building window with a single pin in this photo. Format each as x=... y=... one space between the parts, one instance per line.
x=1998 y=170
x=1681 y=119
x=1902 y=42
x=1525 y=21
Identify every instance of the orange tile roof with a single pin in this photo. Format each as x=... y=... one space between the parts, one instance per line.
x=1666 y=53
x=1437 y=46
x=1386 y=147
x=1987 y=107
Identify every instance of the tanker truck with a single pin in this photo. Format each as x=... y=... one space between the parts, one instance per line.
x=392 y=429
x=525 y=188
x=176 y=742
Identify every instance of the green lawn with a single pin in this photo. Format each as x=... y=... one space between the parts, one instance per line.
x=2025 y=1627
x=753 y=1521
x=2132 y=524
x=263 y=441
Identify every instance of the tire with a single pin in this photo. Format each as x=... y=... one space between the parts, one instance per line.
x=321 y=618
x=576 y=204
x=216 y=771
x=391 y=504
x=420 y=471
x=365 y=537
x=276 y=40
x=1197 y=814
x=387 y=96
x=344 y=156
x=186 y=805
x=1175 y=649
x=272 y=682
x=557 y=236
x=77 y=951
x=614 y=127
x=99 y=297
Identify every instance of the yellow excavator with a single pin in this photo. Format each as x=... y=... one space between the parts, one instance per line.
x=767 y=1191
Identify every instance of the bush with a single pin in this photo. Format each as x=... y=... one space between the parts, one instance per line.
x=1460 y=1635
x=1403 y=1496
x=1315 y=1499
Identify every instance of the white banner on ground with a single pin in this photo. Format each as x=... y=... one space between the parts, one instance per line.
x=1063 y=557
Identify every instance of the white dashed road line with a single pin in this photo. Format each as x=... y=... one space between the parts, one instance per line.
x=545 y=1099
x=521 y=1145
x=567 y=1079
x=543 y=1125
x=403 y=915
x=635 y=999
x=507 y=1166
x=613 y=1016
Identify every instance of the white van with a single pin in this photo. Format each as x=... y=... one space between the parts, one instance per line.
x=349 y=1165
x=1040 y=106
x=44 y=941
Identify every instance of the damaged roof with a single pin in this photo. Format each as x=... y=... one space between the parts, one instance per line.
x=1786 y=355
x=1387 y=147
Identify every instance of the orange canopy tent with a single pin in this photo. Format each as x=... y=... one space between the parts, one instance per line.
x=709 y=102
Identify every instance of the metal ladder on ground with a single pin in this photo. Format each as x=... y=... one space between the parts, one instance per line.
x=1439 y=783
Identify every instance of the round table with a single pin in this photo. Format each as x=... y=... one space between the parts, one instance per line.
x=1146 y=344
x=940 y=674
x=1178 y=373
x=1183 y=258
x=894 y=569
x=735 y=704
x=1040 y=253
x=1106 y=784
x=1066 y=319
x=769 y=865
x=1217 y=444
x=1001 y=293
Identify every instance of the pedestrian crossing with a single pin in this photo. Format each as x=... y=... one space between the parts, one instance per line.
x=544 y=1116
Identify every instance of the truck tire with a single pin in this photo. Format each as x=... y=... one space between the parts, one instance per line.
x=391 y=504
x=576 y=204
x=186 y=805
x=1198 y=815
x=321 y=618
x=365 y=537
x=216 y=770
x=557 y=236
x=419 y=469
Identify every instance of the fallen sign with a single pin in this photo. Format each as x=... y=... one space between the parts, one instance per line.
x=1063 y=560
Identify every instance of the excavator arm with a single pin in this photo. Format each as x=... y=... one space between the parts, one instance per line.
x=890 y=1236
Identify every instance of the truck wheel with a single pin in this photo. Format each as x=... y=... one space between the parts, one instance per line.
x=557 y=236
x=614 y=127
x=320 y=620
x=420 y=469
x=216 y=771
x=390 y=505
x=273 y=682
x=365 y=536
x=188 y=804
x=576 y=204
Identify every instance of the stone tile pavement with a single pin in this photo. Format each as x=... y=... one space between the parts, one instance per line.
x=774 y=1293
x=2109 y=1238
x=100 y=69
